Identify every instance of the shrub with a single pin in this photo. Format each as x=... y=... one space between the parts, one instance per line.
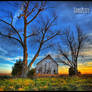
x=17 y=69
x=72 y=71
x=31 y=73
x=5 y=77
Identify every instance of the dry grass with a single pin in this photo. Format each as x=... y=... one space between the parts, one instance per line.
x=39 y=83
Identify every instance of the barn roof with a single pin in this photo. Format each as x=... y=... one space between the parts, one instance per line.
x=47 y=57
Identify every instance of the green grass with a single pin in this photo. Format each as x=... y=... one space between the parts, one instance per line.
x=49 y=84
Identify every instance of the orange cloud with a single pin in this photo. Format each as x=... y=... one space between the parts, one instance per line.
x=84 y=68
x=87 y=52
x=63 y=69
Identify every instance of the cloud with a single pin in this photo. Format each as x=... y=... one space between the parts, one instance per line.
x=85 y=64
x=66 y=15
x=85 y=67
x=13 y=60
x=6 y=65
x=3 y=51
x=63 y=69
x=7 y=59
x=17 y=13
x=87 y=52
x=5 y=68
x=90 y=34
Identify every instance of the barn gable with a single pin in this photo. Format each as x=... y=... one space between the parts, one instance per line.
x=48 y=57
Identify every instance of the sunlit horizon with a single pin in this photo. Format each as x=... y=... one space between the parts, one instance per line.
x=84 y=68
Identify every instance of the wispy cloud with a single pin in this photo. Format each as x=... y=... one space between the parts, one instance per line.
x=3 y=51
x=84 y=64
x=11 y=60
x=5 y=68
x=17 y=13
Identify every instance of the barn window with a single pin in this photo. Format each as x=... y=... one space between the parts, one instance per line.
x=40 y=70
x=54 y=71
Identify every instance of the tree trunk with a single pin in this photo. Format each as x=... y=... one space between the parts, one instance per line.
x=36 y=55
x=25 y=56
x=73 y=70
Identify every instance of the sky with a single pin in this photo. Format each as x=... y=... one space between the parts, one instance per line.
x=10 y=50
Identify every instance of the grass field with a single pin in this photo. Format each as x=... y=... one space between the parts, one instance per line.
x=64 y=83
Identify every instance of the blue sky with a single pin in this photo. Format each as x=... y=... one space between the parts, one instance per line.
x=10 y=50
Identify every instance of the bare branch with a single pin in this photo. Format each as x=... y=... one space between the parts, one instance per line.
x=50 y=37
x=31 y=12
x=65 y=55
x=33 y=34
x=75 y=44
x=12 y=38
x=50 y=23
x=11 y=18
x=65 y=63
x=13 y=28
x=44 y=29
x=34 y=16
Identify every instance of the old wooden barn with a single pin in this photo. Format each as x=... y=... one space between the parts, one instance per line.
x=47 y=66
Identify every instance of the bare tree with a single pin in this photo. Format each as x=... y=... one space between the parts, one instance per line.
x=46 y=33
x=74 y=44
x=26 y=14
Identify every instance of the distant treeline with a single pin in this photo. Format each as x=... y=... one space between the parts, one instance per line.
x=5 y=77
